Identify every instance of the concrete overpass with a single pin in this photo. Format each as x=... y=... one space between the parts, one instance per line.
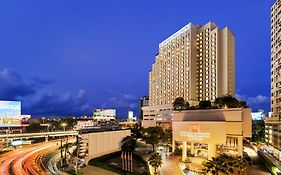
x=39 y=135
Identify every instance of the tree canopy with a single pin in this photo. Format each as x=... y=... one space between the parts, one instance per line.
x=205 y=104
x=33 y=127
x=156 y=135
x=229 y=102
x=179 y=103
x=225 y=164
x=128 y=144
x=226 y=101
x=151 y=136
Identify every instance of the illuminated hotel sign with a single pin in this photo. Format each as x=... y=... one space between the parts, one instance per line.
x=194 y=133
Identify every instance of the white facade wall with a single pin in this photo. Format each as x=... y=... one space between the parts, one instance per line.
x=101 y=143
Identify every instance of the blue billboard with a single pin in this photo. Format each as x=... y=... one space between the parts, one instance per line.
x=10 y=113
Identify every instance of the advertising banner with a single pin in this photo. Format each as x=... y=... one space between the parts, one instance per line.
x=10 y=113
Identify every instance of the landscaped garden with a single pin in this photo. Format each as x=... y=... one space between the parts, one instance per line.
x=113 y=162
x=219 y=103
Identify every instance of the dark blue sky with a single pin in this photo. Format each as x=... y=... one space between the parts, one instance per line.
x=66 y=57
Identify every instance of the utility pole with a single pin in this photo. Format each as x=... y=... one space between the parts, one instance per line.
x=65 y=151
x=77 y=152
x=61 y=156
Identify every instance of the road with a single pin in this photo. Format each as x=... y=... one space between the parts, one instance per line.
x=258 y=168
x=52 y=159
x=27 y=160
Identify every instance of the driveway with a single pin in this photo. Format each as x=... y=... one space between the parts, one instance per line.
x=258 y=168
x=170 y=166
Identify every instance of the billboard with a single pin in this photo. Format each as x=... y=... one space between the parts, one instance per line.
x=10 y=113
x=104 y=113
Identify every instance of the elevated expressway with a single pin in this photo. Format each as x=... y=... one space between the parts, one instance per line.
x=39 y=135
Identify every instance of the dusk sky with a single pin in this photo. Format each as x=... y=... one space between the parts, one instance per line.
x=66 y=57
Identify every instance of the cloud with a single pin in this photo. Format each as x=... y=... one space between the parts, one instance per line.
x=256 y=102
x=39 y=82
x=121 y=101
x=38 y=99
x=61 y=104
x=13 y=86
x=259 y=99
x=122 y=95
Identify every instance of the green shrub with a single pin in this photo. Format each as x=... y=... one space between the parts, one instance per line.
x=177 y=152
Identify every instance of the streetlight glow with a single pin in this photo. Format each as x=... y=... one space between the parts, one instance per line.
x=64 y=125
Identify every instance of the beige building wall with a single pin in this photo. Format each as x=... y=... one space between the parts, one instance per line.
x=101 y=143
x=275 y=59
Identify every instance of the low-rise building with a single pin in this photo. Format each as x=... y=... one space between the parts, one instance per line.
x=84 y=124
x=161 y=115
x=104 y=114
x=209 y=132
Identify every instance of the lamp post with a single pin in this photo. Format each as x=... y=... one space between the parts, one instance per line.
x=64 y=125
x=43 y=120
x=48 y=127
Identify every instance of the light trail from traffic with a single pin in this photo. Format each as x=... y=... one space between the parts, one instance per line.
x=27 y=160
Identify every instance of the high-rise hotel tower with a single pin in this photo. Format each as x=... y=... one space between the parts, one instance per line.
x=197 y=63
x=276 y=59
x=273 y=123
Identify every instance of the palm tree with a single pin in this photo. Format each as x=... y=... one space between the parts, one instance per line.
x=155 y=160
x=222 y=163
x=128 y=144
x=225 y=164
x=212 y=166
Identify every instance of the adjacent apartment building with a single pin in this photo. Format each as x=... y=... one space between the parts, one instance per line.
x=273 y=123
x=196 y=63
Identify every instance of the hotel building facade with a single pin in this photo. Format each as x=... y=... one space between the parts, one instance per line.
x=196 y=63
x=208 y=133
x=273 y=122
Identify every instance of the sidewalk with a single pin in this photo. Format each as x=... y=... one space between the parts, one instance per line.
x=92 y=170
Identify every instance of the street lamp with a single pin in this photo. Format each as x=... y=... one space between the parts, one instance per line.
x=48 y=126
x=64 y=125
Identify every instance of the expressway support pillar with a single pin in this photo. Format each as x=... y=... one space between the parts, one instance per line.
x=46 y=138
